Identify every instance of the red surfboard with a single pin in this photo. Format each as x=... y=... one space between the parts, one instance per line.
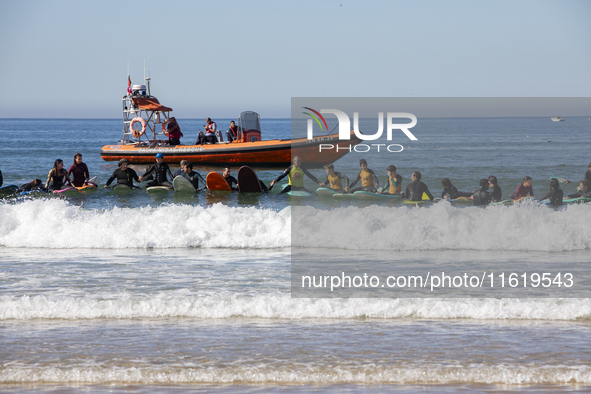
x=248 y=181
x=215 y=181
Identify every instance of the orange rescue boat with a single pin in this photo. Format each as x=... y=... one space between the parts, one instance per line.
x=142 y=109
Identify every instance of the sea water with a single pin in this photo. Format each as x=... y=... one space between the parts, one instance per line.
x=153 y=293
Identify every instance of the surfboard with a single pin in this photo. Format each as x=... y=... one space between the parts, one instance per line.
x=576 y=200
x=364 y=195
x=463 y=200
x=36 y=192
x=216 y=182
x=248 y=181
x=122 y=188
x=94 y=180
x=87 y=187
x=526 y=198
x=324 y=191
x=425 y=199
x=157 y=189
x=10 y=189
x=560 y=179
x=67 y=191
x=182 y=185
x=343 y=196
x=298 y=193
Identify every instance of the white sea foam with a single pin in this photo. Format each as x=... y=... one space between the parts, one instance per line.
x=58 y=224
x=526 y=227
x=282 y=306
x=301 y=374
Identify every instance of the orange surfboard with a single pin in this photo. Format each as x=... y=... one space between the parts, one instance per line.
x=215 y=181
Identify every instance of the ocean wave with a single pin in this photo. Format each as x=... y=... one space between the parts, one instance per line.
x=282 y=306
x=299 y=374
x=524 y=227
x=58 y=224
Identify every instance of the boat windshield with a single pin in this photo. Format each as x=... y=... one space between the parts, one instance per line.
x=249 y=121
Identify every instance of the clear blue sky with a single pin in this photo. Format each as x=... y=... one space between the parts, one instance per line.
x=218 y=58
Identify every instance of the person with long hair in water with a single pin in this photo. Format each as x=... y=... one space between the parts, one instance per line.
x=57 y=177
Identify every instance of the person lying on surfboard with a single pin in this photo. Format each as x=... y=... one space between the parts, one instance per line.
x=57 y=176
x=369 y=180
x=230 y=179
x=334 y=179
x=160 y=170
x=584 y=190
x=496 y=194
x=36 y=184
x=192 y=176
x=415 y=189
x=296 y=177
x=555 y=194
x=124 y=175
x=450 y=189
x=394 y=184
x=523 y=189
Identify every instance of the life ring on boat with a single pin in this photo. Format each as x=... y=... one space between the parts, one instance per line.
x=164 y=126
x=137 y=134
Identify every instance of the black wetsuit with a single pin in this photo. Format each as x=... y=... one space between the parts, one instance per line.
x=57 y=179
x=496 y=194
x=454 y=193
x=160 y=171
x=124 y=177
x=415 y=190
x=1 y=179
x=194 y=177
x=231 y=180
x=555 y=197
x=481 y=197
x=28 y=187
x=588 y=175
x=580 y=194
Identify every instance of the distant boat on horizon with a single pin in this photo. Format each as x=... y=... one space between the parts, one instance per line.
x=557 y=119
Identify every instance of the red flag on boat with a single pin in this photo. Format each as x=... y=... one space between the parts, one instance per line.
x=128 y=85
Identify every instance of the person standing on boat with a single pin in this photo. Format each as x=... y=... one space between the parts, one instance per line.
x=57 y=176
x=174 y=132
x=160 y=170
x=296 y=177
x=79 y=171
x=124 y=175
x=232 y=132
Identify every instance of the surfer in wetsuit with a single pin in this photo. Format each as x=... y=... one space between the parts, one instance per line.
x=192 y=176
x=523 y=189
x=230 y=179
x=124 y=175
x=481 y=196
x=496 y=194
x=80 y=171
x=181 y=170
x=296 y=177
x=57 y=176
x=415 y=189
x=334 y=179
x=585 y=190
x=450 y=189
x=555 y=194
x=160 y=170
x=369 y=180
x=1 y=179
x=394 y=185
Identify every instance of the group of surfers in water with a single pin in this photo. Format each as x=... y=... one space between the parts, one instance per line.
x=158 y=174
